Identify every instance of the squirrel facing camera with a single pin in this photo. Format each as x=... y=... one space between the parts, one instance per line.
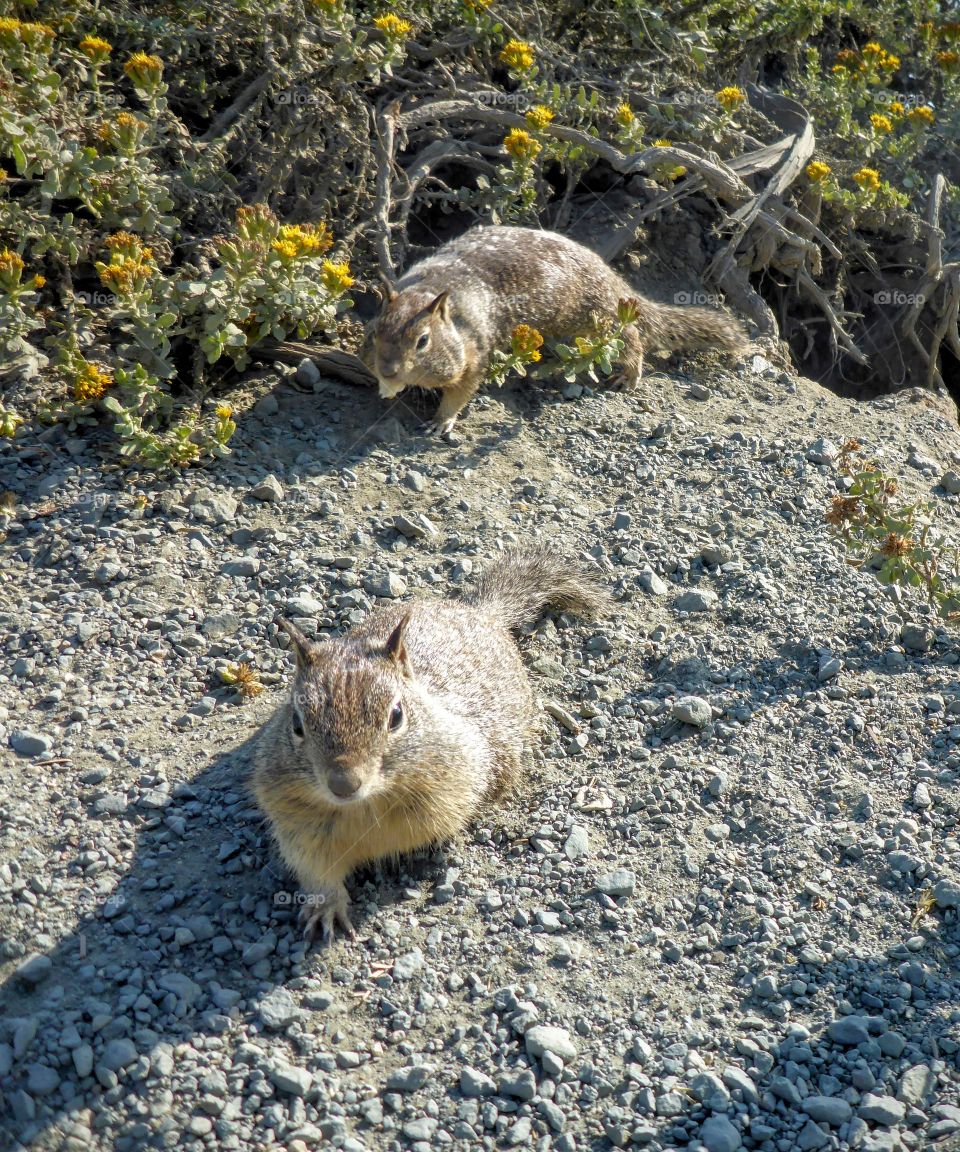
x=395 y=734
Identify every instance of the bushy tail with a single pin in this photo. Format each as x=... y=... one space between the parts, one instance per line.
x=527 y=580
x=676 y=327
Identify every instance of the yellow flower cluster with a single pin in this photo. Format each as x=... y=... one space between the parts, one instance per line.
x=526 y=342
x=868 y=179
x=730 y=98
x=125 y=275
x=517 y=55
x=881 y=123
x=31 y=35
x=144 y=71
x=394 y=27
x=91 y=383
x=948 y=60
x=95 y=48
x=224 y=411
x=126 y=131
x=11 y=268
x=39 y=281
x=625 y=116
x=896 y=109
x=335 y=276
x=879 y=57
x=921 y=115
x=873 y=57
x=816 y=171
x=295 y=240
x=521 y=145
x=131 y=264
x=538 y=117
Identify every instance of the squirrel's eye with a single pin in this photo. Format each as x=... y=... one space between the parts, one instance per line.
x=296 y=725
x=422 y=341
x=395 y=719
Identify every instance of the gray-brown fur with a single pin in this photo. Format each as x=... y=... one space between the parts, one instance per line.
x=351 y=790
x=466 y=299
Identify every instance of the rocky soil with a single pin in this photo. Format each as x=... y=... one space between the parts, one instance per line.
x=723 y=912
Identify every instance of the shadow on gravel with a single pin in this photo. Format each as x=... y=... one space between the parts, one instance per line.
x=195 y=936
x=200 y=936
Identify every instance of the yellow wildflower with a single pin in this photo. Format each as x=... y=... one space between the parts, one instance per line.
x=95 y=48
x=39 y=281
x=122 y=242
x=868 y=179
x=11 y=268
x=335 y=276
x=881 y=123
x=37 y=35
x=4 y=175
x=921 y=115
x=144 y=71
x=663 y=142
x=393 y=26
x=308 y=239
x=517 y=55
x=948 y=60
x=224 y=411
x=817 y=170
x=539 y=116
x=521 y=145
x=91 y=383
x=625 y=116
x=873 y=53
x=286 y=249
x=126 y=274
x=730 y=98
x=526 y=342
x=896 y=109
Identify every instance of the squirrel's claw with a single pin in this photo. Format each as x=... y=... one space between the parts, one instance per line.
x=323 y=913
x=439 y=427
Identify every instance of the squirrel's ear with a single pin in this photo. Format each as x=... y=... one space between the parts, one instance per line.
x=396 y=649
x=390 y=292
x=306 y=652
x=439 y=306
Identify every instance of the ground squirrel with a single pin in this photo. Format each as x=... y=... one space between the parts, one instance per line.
x=444 y=318
x=394 y=734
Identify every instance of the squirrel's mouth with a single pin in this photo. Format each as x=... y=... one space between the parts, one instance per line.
x=389 y=388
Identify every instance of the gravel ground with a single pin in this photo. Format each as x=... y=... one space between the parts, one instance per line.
x=700 y=924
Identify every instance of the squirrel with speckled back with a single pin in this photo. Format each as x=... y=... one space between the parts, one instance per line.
x=395 y=734
x=443 y=320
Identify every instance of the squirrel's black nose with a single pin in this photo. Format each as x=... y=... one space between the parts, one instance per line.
x=388 y=369
x=343 y=784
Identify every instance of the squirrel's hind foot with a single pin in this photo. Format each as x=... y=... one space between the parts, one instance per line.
x=323 y=912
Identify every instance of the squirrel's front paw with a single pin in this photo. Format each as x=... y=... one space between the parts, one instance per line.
x=439 y=427
x=323 y=911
